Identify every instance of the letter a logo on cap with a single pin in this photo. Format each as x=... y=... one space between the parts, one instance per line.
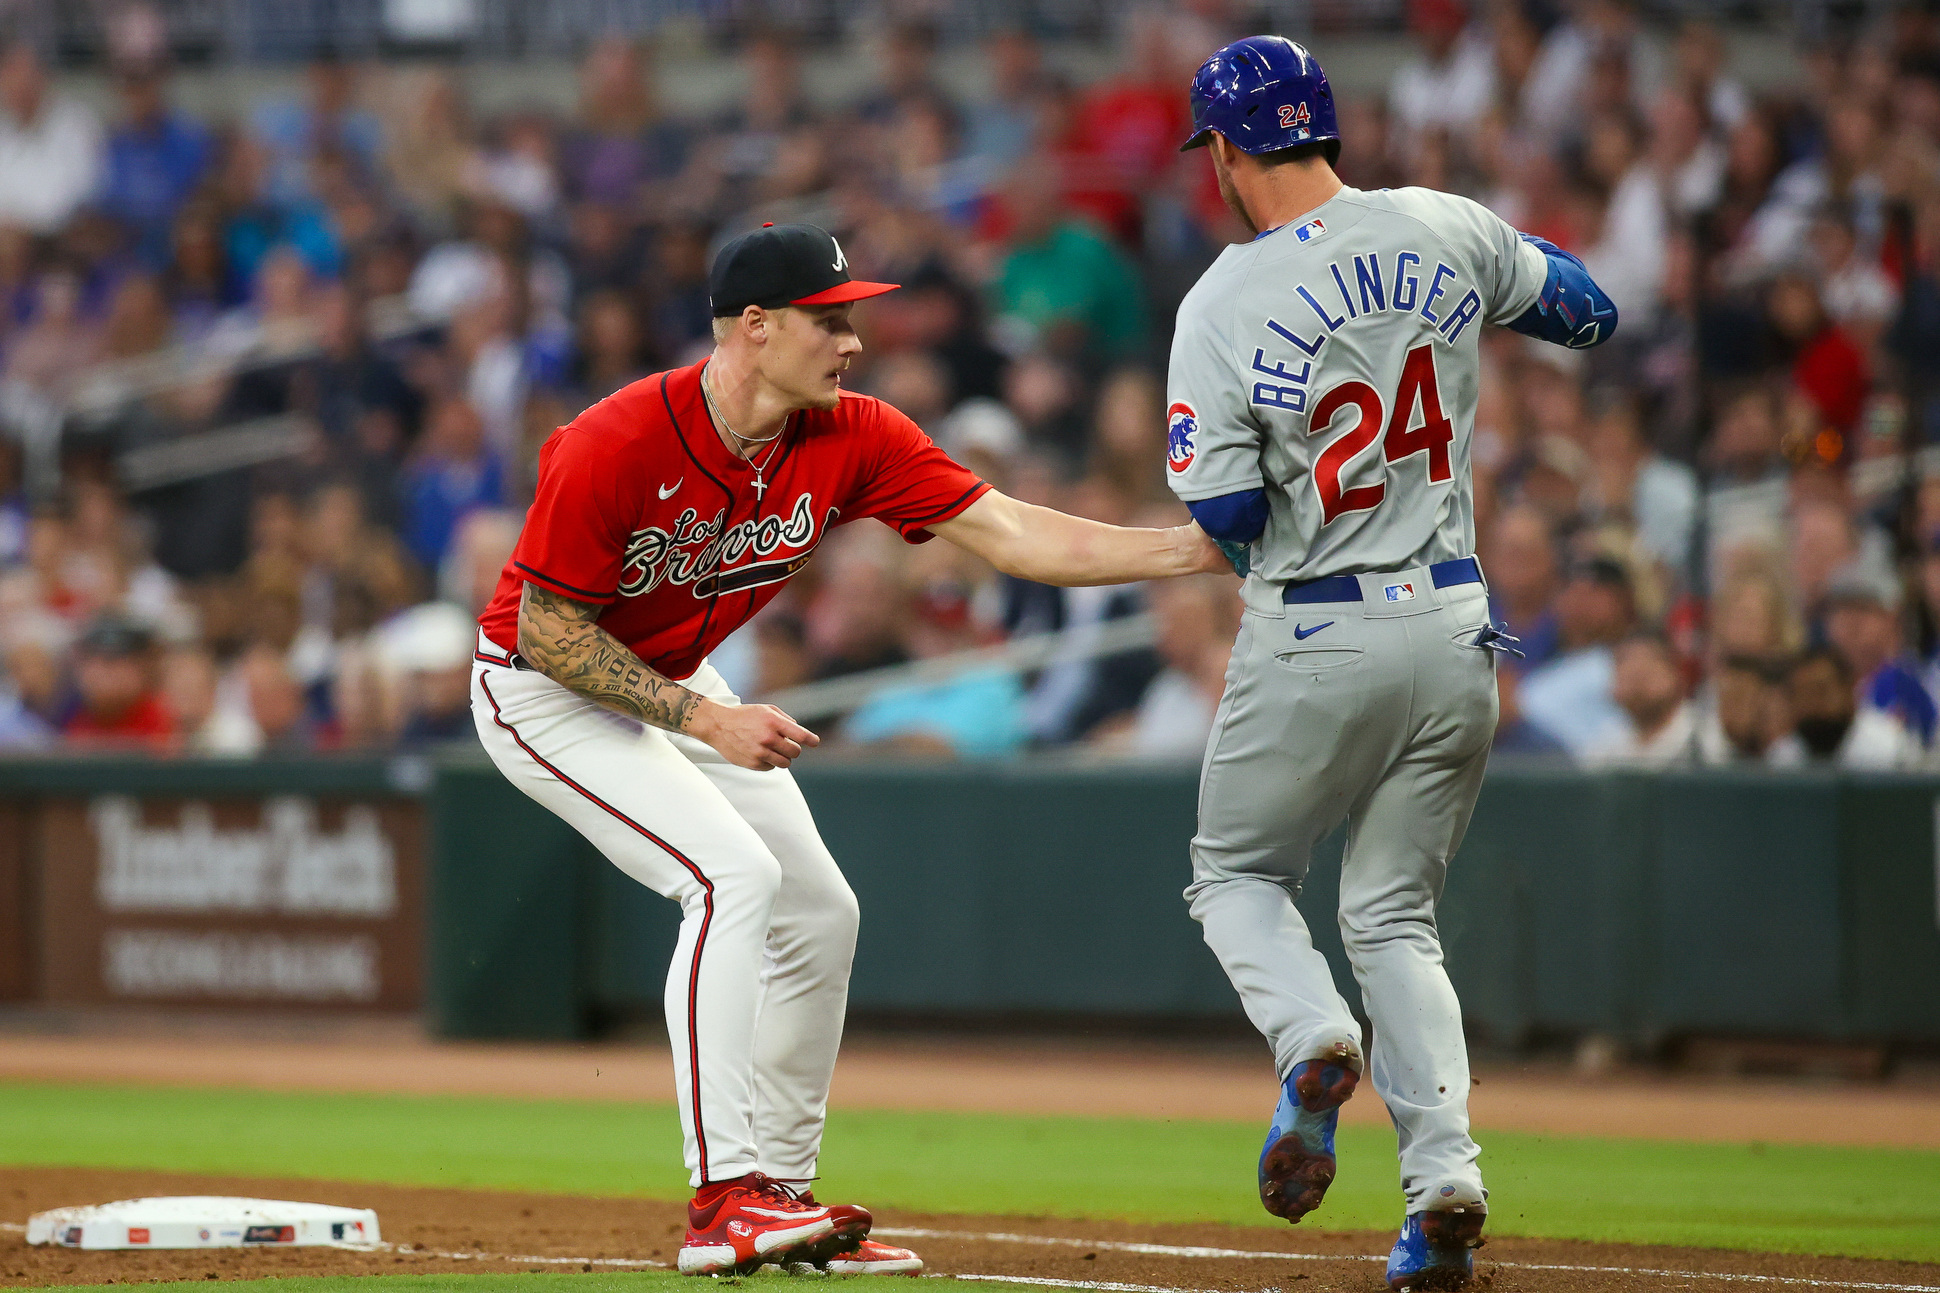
x=789 y=264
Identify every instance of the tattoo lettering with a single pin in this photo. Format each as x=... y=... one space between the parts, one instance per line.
x=562 y=640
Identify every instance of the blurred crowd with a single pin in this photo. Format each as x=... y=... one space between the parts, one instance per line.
x=305 y=357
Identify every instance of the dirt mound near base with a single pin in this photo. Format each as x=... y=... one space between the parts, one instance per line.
x=458 y=1231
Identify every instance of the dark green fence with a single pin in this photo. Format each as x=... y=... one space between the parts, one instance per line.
x=1642 y=907
x=83 y=776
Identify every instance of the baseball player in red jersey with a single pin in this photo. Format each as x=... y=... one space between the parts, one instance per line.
x=666 y=516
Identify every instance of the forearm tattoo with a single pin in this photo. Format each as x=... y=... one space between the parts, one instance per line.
x=560 y=638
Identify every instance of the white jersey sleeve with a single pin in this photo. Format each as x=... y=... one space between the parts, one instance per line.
x=1213 y=438
x=1519 y=270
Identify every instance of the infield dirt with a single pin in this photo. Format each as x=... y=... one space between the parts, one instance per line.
x=464 y=1232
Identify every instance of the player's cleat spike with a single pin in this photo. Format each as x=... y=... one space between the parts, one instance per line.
x=1436 y=1250
x=751 y=1222
x=866 y=1258
x=851 y=1234
x=1297 y=1162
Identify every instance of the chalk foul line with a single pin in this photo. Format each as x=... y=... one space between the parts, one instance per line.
x=1109 y=1286
x=1149 y=1250
x=522 y=1261
x=1103 y=1286
x=1185 y=1250
x=1121 y=1246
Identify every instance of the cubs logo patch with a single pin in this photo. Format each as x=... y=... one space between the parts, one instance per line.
x=1399 y=592
x=1181 y=437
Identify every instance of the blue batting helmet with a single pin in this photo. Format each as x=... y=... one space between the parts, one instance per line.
x=1263 y=93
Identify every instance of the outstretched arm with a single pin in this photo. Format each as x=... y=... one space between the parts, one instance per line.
x=1049 y=547
x=562 y=639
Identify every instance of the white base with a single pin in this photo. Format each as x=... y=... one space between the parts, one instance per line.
x=204 y=1221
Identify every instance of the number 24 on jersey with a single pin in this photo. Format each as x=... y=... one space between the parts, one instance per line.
x=1432 y=437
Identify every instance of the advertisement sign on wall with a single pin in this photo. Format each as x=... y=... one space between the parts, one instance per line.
x=289 y=900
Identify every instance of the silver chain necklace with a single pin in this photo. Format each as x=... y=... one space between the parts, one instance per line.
x=714 y=410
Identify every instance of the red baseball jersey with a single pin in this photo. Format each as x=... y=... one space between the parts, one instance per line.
x=642 y=509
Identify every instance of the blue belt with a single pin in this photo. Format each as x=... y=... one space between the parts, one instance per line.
x=1347 y=588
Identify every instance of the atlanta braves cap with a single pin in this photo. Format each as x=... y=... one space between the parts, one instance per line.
x=784 y=264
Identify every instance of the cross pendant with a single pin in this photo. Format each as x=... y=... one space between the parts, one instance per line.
x=760 y=486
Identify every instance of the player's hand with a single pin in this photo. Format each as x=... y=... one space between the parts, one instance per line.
x=1198 y=552
x=751 y=736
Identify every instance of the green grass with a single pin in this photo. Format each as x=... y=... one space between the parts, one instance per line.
x=1852 y=1202
x=629 y=1282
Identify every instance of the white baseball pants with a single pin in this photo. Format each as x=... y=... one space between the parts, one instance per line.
x=760 y=978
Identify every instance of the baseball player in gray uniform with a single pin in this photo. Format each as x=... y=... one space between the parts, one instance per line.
x=1322 y=397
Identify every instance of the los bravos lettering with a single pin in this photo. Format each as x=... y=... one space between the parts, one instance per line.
x=705 y=555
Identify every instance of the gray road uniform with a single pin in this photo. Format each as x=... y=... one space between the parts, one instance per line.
x=1333 y=363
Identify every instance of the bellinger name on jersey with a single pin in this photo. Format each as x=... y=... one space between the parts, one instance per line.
x=1372 y=293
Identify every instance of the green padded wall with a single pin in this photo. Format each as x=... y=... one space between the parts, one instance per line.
x=509 y=912
x=1640 y=906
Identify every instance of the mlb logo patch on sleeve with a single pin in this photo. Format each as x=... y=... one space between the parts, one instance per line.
x=1310 y=230
x=1399 y=592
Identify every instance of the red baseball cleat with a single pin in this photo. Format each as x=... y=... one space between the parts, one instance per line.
x=851 y=1230
x=849 y=1218
x=748 y=1222
x=867 y=1258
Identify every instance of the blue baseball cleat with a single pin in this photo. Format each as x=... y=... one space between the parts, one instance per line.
x=1436 y=1250
x=1297 y=1163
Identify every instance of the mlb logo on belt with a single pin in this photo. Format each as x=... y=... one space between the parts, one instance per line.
x=1310 y=230
x=1399 y=592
